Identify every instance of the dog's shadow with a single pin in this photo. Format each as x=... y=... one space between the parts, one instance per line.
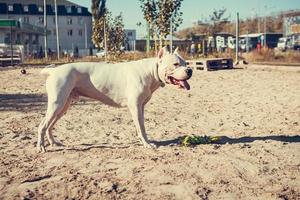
x=177 y=142
x=241 y=140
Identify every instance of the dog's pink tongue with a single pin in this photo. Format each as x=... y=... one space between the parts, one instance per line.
x=185 y=84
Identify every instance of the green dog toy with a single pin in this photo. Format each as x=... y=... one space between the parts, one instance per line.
x=192 y=140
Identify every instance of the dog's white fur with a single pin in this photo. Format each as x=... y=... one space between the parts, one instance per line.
x=123 y=84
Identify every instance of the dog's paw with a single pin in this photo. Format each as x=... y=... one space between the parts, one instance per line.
x=41 y=148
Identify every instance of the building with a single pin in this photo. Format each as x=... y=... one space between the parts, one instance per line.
x=20 y=34
x=182 y=44
x=130 y=38
x=74 y=24
x=291 y=22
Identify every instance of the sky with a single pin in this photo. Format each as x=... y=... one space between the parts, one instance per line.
x=194 y=10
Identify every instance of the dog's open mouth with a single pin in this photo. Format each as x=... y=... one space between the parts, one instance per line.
x=180 y=83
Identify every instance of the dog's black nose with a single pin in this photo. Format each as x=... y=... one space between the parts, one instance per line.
x=189 y=72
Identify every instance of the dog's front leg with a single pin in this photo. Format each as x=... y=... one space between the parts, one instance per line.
x=137 y=112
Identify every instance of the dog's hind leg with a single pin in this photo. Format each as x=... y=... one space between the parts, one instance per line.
x=58 y=102
x=53 y=111
x=41 y=134
x=49 y=135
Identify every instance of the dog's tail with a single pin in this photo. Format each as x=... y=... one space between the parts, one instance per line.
x=47 y=69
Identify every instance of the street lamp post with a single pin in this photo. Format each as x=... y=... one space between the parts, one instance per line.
x=11 y=45
x=237 y=39
x=45 y=28
x=105 y=40
x=148 y=37
x=56 y=27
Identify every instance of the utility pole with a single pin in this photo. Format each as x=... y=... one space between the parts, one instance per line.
x=56 y=27
x=265 y=30
x=105 y=42
x=237 y=39
x=11 y=45
x=247 y=42
x=258 y=24
x=45 y=29
x=85 y=35
x=148 y=37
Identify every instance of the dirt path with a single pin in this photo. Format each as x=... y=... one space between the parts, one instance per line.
x=257 y=113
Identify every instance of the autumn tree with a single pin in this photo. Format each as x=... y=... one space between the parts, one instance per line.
x=115 y=34
x=149 y=9
x=167 y=10
x=218 y=23
x=99 y=12
x=218 y=20
x=159 y=14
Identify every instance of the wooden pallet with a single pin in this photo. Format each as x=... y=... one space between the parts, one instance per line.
x=209 y=64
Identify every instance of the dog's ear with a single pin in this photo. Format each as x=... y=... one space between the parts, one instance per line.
x=162 y=52
x=176 y=51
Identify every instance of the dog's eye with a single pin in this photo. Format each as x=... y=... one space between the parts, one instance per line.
x=176 y=64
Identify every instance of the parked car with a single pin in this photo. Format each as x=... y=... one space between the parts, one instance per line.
x=8 y=55
x=289 y=42
x=282 y=44
x=295 y=41
x=100 y=54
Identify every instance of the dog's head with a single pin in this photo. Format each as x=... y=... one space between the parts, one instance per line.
x=173 y=69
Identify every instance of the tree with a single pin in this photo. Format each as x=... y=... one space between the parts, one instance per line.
x=149 y=10
x=114 y=28
x=188 y=33
x=168 y=9
x=116 y=35
x=159 y=13
x=99 y=12
x=218 y=21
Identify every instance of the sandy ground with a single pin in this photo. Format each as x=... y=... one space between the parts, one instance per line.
x=255 y=110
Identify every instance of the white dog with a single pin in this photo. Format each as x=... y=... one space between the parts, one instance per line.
x=123 y=84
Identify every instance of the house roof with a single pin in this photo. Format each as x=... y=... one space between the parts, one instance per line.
x=33 y=9
x=255 y=35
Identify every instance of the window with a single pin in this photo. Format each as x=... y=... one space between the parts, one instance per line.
x=7 y=38
x=69 y=9
x=69 y=21
x=41 y=20
x=53 y=20
x=79 y=10
x=70 y=32
x=80 y=21
x=41 y=9
x=10 y=8
x=18 y=40
x=80 y=32
x=26 y=19
x=26 y=9
x=54 y=31
x=129 y=34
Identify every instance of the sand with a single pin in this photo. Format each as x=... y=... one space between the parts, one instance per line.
x=256 y=110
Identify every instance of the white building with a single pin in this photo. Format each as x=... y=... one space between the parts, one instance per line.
x=74 y=23
x=130 y=39
x=291 y=22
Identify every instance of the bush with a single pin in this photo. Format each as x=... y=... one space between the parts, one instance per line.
x=272 y=55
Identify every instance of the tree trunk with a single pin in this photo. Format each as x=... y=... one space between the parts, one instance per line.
x=160 y=42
